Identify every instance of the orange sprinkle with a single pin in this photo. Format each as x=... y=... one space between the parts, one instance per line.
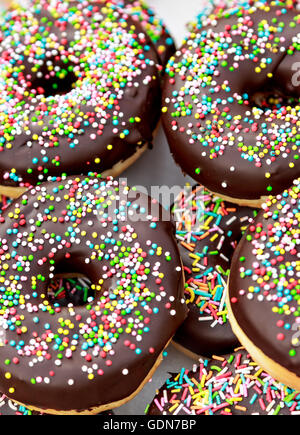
x=187 y=246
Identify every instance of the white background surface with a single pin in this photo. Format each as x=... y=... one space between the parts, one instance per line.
x=156 y=167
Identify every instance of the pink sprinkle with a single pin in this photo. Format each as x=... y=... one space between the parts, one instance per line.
x=158 y=405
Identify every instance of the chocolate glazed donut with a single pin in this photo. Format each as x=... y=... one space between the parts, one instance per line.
x=231 y=104
x=80 y=89
x=93 y=357
x=264 y=288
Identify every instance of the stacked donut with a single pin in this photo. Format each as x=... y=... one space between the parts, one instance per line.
x=231 y=102
x=113 y=342
x=81 y=88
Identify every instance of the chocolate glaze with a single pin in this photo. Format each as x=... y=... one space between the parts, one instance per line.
x=121 y=110
x=201 y=339
x=9 y=407
x=258 y=394
x=264 y=282
x=139 y=308
x=228 y=221
x=237 y=170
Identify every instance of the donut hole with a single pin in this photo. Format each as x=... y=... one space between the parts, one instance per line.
x=66 y=290
x=53 y=83
x=272 y=99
